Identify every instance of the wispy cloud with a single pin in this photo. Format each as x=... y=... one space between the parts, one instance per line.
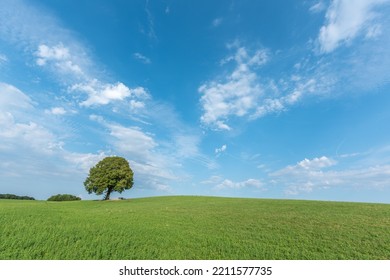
x=151 y=33
x=362 y=28
x=186 y=147
x=23 y=137
x=219 y=151
x=159 y=156
x=250 y=183
x=318 y=7
x=346 y=20
x=11 y=98
x=54 y=49
x=142 y=58
x=217 y=22
x=60 y=58
x=3 y=58
x=236 y=95
x=247 y=93
x=56 y=111
x=40 y=35
x=218 y=183
x=324 y=173
x=244 y=93
x=18 y=125
x=104 y=93
x=155 y=164
x=64 y=57
x=24 y=133
x=316 y=163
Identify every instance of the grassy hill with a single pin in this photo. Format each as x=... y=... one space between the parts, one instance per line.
x=194 y=228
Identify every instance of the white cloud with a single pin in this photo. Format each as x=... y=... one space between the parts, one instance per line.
x=55 y=49
x=139 y=92
x=142 y=58
x=27 y=135
x=133 y=141
x=157 y=163
x=220 y=183
x=56 y=111
x=219 y=151
x=56 y=53
x=237 y=95
x=321 y=173
x=250 y=183
x=136 y=105
x=21 y=135
x=345 y=20
x=59 y=57
x=31 y=149
x=28 y=144
x=307 y=165
x=242 y=93
x=85 y=161
x=220 y=125
x=150 y=158
x=301 y=88
x=38 y=33
x=153 y=168
x=11 y=97
x=259 y=58
x=316 y=163
x=268 y=106
x=103 y=93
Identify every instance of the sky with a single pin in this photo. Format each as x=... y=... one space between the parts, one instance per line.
x=264 y=99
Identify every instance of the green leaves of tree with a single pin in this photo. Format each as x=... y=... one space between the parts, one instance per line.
x=108 y=175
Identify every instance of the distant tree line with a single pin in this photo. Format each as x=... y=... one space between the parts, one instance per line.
x=12 y=196
x=63 y=197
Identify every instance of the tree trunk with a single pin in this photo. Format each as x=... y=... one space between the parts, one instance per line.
x=107 y=196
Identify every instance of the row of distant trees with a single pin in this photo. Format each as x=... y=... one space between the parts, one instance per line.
x=63 y=197
x=12 y=196
x=57 y=197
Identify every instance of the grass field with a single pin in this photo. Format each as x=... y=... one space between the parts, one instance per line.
x=194 y=228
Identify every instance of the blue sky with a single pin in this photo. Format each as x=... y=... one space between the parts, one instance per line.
x=267 y=99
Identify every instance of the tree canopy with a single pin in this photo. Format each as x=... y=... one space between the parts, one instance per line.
x=109 y=175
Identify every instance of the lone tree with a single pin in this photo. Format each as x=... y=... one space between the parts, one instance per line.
x=109 y=175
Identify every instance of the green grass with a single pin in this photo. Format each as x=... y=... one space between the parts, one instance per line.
x=194 y=228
